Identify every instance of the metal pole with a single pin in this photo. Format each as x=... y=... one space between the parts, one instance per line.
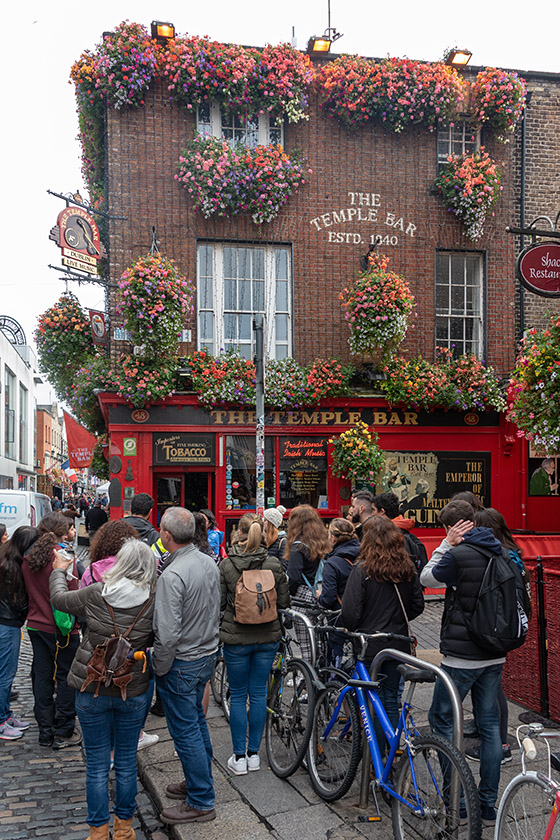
x=258 y=326
x=543 y=652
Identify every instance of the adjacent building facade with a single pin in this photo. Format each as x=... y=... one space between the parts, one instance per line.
x=18 y=377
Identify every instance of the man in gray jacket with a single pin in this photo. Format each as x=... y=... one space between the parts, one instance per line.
x=186 y=622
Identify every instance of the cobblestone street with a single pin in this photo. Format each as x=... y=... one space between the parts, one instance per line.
x=43 y=791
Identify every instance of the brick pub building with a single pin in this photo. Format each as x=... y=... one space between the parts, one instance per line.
x=368 y=186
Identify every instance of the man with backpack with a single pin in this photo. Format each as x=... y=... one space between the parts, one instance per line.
x=460 y=564
x=139 y=517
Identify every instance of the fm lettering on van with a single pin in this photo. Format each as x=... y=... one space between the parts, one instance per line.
x=7 y=508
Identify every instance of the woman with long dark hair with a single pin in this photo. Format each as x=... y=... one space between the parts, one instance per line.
x=249 y=649
x=383 y=593
x=54 y=644
x=306 y=545
x=200 y=538
x=13 y=612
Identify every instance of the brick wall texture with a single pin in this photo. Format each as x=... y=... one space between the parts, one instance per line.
x=349 y=168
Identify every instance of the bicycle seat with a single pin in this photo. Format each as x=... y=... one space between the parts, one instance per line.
x=412 y=674
x=555 y=761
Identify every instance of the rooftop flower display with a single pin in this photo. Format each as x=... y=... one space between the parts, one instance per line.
x=244 y=80
x=223 y=181
x=377 y=306
x=356 y=454
x=498 y=99
x=155 y=303
x=126 y=64
x=397 y=91
x=469 y=186
x=534 y=388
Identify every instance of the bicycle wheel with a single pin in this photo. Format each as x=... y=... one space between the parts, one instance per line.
x=332 y=761
x=526 y=809
x=424 y=782
x=217 y=678
x=290 y=717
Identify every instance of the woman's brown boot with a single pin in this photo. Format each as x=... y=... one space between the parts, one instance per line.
x=98 y=832
x=122 y=830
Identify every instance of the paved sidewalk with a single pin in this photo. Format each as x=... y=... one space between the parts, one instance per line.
x=43 y=791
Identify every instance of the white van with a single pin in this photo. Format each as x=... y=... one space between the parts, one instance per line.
x=22 y=507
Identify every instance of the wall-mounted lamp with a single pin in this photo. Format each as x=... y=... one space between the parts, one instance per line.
x=321 y=44
x=457 y=57
x=162 y=32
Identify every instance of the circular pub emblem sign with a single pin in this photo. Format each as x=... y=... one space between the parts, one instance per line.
x=538 y=269
x=140 y=415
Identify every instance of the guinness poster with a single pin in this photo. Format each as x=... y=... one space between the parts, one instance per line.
x=183 y=449
x=425 y=481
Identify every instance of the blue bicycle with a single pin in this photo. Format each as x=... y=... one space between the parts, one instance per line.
x=427 y=780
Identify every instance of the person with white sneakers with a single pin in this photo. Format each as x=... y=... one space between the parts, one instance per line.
x=249 y=649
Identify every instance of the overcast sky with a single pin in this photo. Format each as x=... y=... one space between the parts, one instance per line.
x=43 y=39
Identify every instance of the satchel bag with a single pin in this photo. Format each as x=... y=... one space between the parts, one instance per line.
x=111 y=661
x=255 y=597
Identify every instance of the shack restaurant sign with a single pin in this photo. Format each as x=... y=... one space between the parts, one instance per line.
x=538 y=269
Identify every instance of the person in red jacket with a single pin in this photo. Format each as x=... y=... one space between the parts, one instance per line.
x=53 y=649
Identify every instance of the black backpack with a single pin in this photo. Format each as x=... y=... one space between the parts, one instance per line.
x=416 y=550
x=500 y=620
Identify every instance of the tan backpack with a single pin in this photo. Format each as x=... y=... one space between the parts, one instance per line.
x=255 y=597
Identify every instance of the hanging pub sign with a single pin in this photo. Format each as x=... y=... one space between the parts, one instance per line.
x=538 y=269
x=77 y=236
x=98 y=328
x=183 y=449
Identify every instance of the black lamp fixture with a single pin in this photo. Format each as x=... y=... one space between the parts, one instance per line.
x=321 y=44
x=162 y=32
x=458 y=58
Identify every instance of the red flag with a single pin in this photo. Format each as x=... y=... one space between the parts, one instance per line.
x=80 y=443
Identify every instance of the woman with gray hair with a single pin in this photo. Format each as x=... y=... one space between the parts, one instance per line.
x=111 y=715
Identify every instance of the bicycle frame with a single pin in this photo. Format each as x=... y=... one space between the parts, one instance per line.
x=393 y=736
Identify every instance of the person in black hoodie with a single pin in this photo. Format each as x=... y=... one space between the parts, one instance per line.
x=339 y=563
x=459 y=564
x=139 y=518
x=383 y=594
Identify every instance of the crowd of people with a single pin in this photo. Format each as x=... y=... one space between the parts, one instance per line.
x=139 y=627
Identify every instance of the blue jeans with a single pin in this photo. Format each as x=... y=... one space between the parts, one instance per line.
x=110 y=722
x=483 y=683
x=248 y=667
x=182 y=690
x=10 y=638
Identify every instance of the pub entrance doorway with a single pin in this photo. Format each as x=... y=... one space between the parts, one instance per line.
x=191 y=487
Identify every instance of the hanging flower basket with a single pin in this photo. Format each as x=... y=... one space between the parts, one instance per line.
x=377 y=306
x=222 y=181
x=356 y=454
x=155 y=303
x=64 y=342
x=534 y=388
x=469 y=186
x=499 y=98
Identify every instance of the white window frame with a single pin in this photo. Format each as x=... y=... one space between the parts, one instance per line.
x=211 y=301
x=215 y=128
x=460 y=301
x=457 y=140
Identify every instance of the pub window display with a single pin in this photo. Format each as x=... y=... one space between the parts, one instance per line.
x=303 y=472
x=241 y=482
x=543 y=474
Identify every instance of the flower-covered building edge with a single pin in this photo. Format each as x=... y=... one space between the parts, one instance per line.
x=376 y=180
